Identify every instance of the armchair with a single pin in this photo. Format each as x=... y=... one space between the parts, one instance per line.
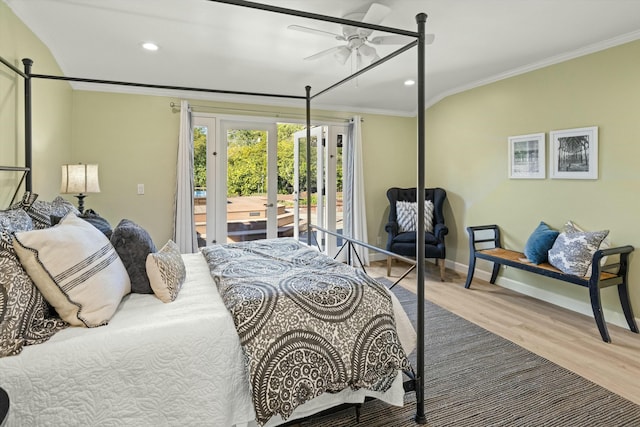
x=403 y=242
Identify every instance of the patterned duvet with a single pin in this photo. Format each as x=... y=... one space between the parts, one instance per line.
x=307 y=324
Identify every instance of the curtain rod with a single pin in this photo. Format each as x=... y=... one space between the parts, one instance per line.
x=276 y=114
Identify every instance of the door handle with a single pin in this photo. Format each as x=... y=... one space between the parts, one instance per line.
x=268 y=205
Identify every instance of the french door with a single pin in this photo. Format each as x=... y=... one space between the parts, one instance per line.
x=236 y=174
x=326 y=160
x=238 y=200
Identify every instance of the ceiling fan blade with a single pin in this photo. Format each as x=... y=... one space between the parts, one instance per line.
x=326 y=52
x=316 y=31
x=342 y=54
x=376 y=13
x=398 y=39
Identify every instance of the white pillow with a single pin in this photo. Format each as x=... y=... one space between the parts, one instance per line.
x=166 y=272
x=76 y=268
x=407 y=216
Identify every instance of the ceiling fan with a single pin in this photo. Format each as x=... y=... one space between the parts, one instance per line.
x=359 y=40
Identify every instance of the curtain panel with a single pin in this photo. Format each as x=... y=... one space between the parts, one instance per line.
x=355 y=215
x=184 y=230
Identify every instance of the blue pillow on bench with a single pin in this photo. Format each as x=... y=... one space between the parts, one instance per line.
x=539 y=243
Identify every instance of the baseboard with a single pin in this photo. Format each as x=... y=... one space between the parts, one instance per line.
x=583 y=307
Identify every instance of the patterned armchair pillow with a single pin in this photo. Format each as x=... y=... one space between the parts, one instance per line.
x=407 y=216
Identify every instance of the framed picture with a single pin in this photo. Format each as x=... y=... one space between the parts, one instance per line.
x=574 y=153
x=527 y=156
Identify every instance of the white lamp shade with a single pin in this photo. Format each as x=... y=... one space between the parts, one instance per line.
x=79 y=179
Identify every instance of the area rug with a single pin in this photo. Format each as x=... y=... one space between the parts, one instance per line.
x=476 y=378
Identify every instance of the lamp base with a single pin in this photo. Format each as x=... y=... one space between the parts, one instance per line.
x=81 y=202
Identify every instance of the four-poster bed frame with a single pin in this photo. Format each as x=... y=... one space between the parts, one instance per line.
x=419 y=42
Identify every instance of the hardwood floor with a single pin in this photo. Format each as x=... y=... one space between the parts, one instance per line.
x=564 y=337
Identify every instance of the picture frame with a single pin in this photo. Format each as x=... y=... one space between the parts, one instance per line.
x=527 y=156
x=574 y=153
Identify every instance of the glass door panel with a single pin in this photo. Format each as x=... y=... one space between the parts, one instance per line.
x=335 y=137
x=251 y=183
x=201 y=138
x=300 y=183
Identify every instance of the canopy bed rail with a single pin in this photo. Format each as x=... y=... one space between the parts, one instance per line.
x=27 y=63
x=419 y=42
x=350 y=243
x=25 y=173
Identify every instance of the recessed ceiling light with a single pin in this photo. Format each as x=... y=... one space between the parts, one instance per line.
x=409 y=82
x=150 y=46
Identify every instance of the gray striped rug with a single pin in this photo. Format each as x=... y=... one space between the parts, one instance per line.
x=476 y=378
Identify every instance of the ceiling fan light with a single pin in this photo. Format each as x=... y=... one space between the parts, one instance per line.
x=367 y=50
x=342 y=54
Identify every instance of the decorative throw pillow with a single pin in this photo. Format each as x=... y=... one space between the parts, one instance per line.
x=12 y=220
x=539 y=243
x=407 y=216
x=24 y=318
x=28 y=198
x=133 y=244
x=76 y=268
x=166 y=272
x=93 y=218
x=41 y=211
x=571 y=227
x=572 y=252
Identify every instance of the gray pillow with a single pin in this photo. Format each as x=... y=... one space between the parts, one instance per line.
x=572 y=252
x=133 y=244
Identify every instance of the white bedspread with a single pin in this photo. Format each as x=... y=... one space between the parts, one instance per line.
x=155 y=364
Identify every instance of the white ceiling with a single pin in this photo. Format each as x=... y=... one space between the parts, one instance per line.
x=211 y=45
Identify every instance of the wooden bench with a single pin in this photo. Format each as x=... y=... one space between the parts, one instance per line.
x=601 y=276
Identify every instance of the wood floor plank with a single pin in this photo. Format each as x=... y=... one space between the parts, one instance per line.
x=564 y=337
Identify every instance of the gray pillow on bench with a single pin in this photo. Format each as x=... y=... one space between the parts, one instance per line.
x=572 y=252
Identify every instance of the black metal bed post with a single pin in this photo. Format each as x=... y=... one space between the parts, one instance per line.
x=28 y=156
x=420 y=415
x=308 y=161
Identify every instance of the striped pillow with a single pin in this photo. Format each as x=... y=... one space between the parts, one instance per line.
x=76 y=268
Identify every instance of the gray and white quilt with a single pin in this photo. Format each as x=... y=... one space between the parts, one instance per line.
x=307 y=324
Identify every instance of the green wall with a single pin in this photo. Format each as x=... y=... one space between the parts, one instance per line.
x=468 y=155
x=51 y=107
